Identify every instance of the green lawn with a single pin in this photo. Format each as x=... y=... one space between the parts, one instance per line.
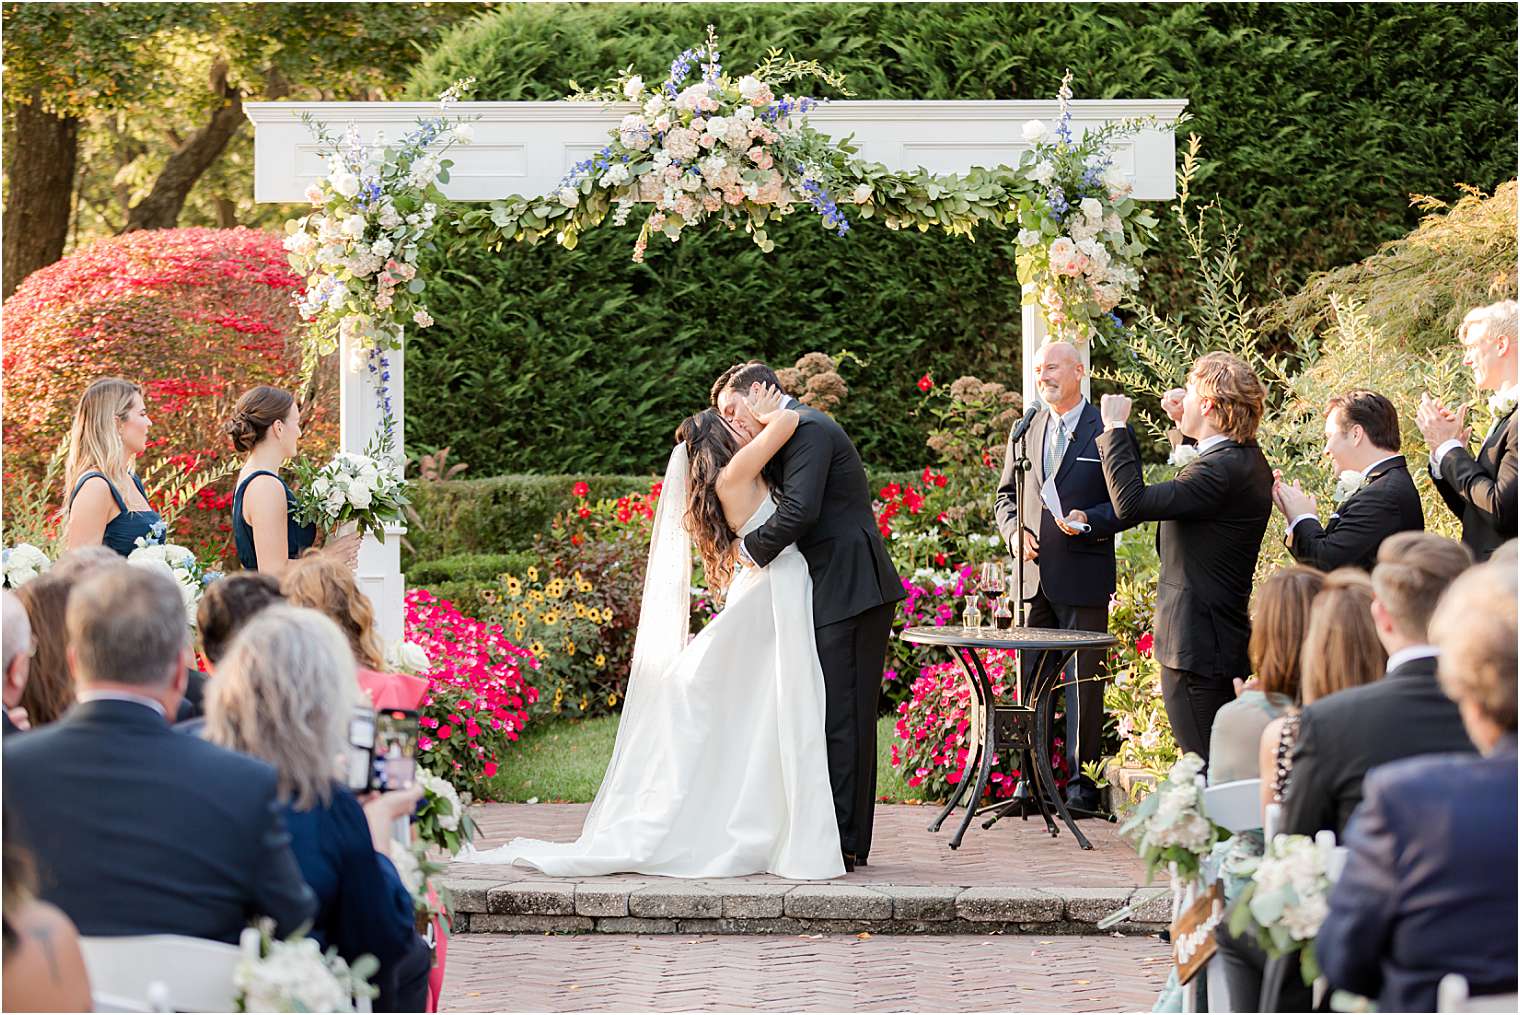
x=562 y=761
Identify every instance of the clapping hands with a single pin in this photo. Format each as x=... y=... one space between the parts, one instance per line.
x=1439 y=424
x=1290 y=498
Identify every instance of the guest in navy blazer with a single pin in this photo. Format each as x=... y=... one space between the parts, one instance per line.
x=284 y=692
x=137 y=829
x=1429 y=886
x=1068 y=574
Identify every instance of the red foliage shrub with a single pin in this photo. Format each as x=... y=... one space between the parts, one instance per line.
x=193 y=315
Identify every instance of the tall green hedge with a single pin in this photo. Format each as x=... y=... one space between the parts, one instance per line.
x=1319 y=121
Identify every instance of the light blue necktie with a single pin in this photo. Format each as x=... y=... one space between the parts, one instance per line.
x=1055 y=448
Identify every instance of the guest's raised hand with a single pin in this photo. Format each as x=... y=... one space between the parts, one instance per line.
x=382 y=809
x=1171 y=403
x=765 y=401
x=1295 y=501
x=1115 y=409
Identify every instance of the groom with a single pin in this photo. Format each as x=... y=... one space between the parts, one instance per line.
x=823 y=505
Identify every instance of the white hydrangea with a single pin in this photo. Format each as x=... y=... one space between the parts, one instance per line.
x=354 y=226
x=22 y=563
x=294 y=976
x=1043 y=172
x=1092 y=209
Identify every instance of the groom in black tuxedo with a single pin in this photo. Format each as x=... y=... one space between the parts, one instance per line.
x=823 y=505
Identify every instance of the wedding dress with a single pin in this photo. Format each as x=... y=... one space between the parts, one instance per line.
x=720 y=767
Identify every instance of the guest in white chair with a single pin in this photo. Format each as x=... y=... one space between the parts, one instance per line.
x=1429 y=886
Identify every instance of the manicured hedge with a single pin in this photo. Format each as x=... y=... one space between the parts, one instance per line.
x=1319 y=120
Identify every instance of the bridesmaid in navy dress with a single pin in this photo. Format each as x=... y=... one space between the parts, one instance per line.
x=266 y=427
x=104 y=501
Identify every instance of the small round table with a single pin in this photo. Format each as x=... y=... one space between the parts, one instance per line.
x=1023 y=726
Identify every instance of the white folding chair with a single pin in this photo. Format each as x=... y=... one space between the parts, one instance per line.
x=1271 y=821
x=1452 y=995
x=160 y=972
x=1234 y=805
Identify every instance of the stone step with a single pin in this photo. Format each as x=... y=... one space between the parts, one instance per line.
x=484 y=906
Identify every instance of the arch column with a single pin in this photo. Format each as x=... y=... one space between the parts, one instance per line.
x=361 y=417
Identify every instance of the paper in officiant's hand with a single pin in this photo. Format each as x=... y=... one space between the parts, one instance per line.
x=1052 y=500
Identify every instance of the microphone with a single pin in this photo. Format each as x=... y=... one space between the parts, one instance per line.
x=1023 y=424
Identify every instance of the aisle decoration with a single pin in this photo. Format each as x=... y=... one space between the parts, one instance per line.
x=295 y=976
x=1288 y=898
x=1168 y=827
x=1081 y=235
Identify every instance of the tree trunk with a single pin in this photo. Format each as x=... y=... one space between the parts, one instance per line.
x=42 y=151
x=161 y=208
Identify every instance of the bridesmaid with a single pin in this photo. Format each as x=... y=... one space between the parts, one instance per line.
x=105 y=502
x=266 y=427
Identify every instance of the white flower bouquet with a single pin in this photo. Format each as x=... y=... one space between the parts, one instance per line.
x=22 y=563
x=1288 y=898
x=294 y=975
x=1169 y=826
x=442 y=819
x=181 y=565
x=365 y=490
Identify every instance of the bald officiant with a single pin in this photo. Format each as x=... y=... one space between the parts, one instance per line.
x=1068 y=573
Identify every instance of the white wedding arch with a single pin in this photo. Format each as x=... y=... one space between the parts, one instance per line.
x=526 y=148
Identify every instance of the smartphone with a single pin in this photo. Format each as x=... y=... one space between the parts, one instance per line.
x=393 y=763
x=361 y=748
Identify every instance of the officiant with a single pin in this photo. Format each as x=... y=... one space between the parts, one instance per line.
x=1068 y=572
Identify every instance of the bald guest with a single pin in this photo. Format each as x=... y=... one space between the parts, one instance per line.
x=1068 y=572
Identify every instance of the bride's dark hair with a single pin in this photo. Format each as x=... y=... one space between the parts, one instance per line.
x=710 y=445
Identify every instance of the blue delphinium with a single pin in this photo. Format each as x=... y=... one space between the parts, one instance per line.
x=679 y=68
x=823 y=203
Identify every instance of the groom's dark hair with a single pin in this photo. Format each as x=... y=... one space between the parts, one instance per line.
x=741 y=375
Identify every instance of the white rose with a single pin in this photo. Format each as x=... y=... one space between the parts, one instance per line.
x=344 y=182
x=750 y=87
x=464 y=133
x=569 y=197
x=1034 y=130
x=655 y=106
x=1092 y=208
x=354 y=226
x=315 y=194
x=1042 y=173
x=633 y=88
x=1029 y=237
x=717 y=126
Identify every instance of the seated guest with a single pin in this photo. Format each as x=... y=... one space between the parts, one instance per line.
x=227 y=605
x=285 y=692
x=49 y=690
x=1213 y=515
x=1279 y=617
x=1429 y=886
x=17 y=649
x=104 y=501
x=75 y=564
x=1480 y=490
x=265 y=426
x=1400 y=716
x=44 y=968
x=137 y=829
x=1340 y=651
x=1362 y=439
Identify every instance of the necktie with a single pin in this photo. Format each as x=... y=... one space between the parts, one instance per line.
x=1055 y=447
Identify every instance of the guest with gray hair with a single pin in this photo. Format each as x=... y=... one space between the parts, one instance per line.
x=17 y=644
x=138 y=829
x=1429 y=886
x=1481 y=490
x=284 y=692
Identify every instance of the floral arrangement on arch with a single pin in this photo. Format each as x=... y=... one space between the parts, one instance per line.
x=719 y=146
x=1081 y=235
x=357 y=249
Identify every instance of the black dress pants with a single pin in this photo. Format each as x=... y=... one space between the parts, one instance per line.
x=1084 y=698
x=404 y=986
x=853 y=654
x=1192 y=700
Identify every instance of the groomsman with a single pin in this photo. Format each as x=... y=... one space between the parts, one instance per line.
x=1482 y=490
x=1375 y=495
x=1068 y=574
x=1213 y=515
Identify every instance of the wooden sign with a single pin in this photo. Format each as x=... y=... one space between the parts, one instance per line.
x=1193 y=940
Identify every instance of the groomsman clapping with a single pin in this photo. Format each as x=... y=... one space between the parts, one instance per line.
x=1375 y=495
x=1480 y=490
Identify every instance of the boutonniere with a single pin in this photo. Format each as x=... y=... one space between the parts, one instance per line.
x=1183 y=455
x=1349 y=483
x=1503 y=404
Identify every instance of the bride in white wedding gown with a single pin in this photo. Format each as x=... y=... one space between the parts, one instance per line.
x=720 y=767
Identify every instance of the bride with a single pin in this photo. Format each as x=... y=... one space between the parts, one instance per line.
x=720 y=767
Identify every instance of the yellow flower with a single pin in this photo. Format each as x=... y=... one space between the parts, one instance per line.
x=532 y=574
x=551 y=617
x=585 y=703
x=518 y=632
x=580 y=610
x=607 y=615
x=612 y=700
x=514 y=587
x=518 y=618
x=536 y=596
x=570 y=646
x=601 y=660
x=576 y=577
x=537 y=648
x=556 y=588
x=584 y=586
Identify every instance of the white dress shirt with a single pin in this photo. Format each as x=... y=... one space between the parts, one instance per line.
x=136 y=699
x=1210 y=443
x=1513 y=391
x=1071 y=418
x=1413 y=652
x=1365 y=473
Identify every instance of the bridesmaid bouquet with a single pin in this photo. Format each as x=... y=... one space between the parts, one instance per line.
x=22 y=563
x=363 y=490
x=188 y=573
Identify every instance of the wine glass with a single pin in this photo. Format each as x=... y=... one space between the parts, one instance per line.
x=992 y=581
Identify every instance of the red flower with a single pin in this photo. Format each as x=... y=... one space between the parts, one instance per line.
x=940 y=481
x=576 y=539
x=582 y=489
x=939 y=559
x=925 y=383
x=444 y=731
x=1144 y=644
x=654 y=491
x=490 y=769
x=624 y=514
x=585 y=512
x=890 y=491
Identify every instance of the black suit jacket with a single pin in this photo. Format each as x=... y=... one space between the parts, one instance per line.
x=1481 y=491
x=1072 y=570
x=823 y=505
x=1429 y=886
x=1343 y=735
x=9 y=727
x=137 y=829
x=1389 y=503
x=1213 y=515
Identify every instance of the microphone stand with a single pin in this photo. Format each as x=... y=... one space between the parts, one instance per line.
x=1022 y=799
